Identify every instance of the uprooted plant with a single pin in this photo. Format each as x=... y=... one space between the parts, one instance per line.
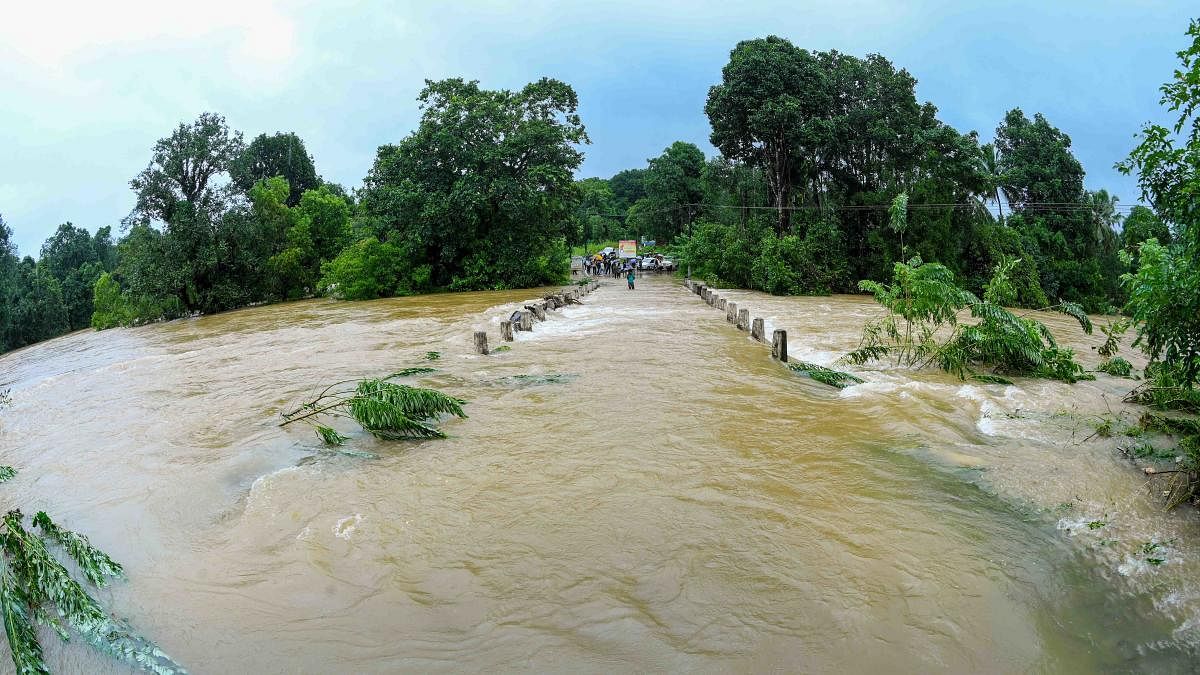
x=922 y=328
x=36 y=586
x=383 y=408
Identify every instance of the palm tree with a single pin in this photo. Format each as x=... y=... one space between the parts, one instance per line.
x=1104 y=210
x=993 y=174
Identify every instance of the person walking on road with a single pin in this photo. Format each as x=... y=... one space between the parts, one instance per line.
x=630 y=278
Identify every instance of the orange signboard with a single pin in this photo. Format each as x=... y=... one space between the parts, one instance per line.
x=627 y=248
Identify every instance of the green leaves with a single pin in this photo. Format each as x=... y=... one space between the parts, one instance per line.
x=1116 y=366
x=94 y=563
x=7 y=473
x=32 y=579
x=480 y=193
x=385 y=409
x=22 y=636
x=1164 y=303
x=922 y=327
x=409 y=372
x=330 y=435
x=833 y=378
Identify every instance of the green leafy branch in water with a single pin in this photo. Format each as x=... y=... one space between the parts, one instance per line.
x=6 y=473
x=386 y=409
x=5 y=399
x=36 y=586
x=1116 y=366
x=921 y=327
x=409 y=372
x=833 y=378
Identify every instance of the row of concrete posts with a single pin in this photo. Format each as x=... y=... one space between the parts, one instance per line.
x=523 y=319
x=740 y=317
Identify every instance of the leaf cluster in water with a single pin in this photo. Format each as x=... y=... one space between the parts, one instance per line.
x=833 y=378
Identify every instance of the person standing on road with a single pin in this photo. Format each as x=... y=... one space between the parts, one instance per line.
x=630 y=278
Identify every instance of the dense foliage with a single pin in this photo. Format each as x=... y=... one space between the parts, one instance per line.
x=480 y=193
x=479 y=196
x=921 y=327
x=1164 y=287
x=815 y=149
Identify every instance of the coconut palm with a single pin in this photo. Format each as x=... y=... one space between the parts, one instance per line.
x=1104 y=211
x=989 y=165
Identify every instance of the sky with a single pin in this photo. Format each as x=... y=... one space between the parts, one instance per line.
x=86 y=88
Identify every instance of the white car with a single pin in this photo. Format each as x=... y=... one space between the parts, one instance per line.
x=666 y=265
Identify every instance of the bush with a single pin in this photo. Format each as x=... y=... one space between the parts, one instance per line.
x=366 y=270
x=923 y=300
x=111 y=308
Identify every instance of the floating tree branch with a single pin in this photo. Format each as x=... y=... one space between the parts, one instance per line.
x=409 y=372
x=6 y=473
x=34 y=585
x=833 y=378
x=385 y=409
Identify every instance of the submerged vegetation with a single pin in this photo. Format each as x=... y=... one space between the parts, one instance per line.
x=833 y=378
x=385 y=409
x=36 y=587
x=922 y=327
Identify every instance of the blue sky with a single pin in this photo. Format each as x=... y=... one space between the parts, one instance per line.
x=86 y=91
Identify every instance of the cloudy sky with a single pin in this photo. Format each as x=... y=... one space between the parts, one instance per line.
x=86 y=88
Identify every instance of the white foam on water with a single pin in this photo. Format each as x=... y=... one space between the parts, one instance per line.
x=345 y=528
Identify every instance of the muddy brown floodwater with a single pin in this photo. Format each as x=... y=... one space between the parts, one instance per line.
x=661 y=496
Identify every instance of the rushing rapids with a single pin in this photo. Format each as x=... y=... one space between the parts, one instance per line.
x=638 y=487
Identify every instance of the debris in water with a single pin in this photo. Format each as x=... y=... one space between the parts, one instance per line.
x=531 y=380
x=833 y=378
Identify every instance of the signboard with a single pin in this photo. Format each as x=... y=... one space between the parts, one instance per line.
x=627 y=248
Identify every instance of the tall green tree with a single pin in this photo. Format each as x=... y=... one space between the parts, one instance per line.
x=41 y=312
x=77 y=259
x=627 y=186
x=181 y=170
x=1164 y=292
x=280 y=154
x=1067 y=230
x=997 y=182
x=207 y=255
x=597 y=213
x=9 y=287
x=1036 y=161
x=483 y=189
x=771 y=100
x=674 y=184
x=1141 y=225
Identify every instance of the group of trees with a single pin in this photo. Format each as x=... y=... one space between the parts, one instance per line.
x=52 y=295
x=476 y=198
x=815 y=149
x=815 y=146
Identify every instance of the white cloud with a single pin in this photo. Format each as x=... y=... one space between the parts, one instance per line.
x=55 y=38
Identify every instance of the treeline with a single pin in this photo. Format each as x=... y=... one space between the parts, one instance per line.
x=476 y=198
x=815 y=147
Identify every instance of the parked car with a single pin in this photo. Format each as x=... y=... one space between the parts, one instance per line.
x=666 y=265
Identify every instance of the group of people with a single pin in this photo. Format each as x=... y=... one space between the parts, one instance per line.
x=610 y=265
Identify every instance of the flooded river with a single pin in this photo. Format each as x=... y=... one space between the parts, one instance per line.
x=659 y=496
